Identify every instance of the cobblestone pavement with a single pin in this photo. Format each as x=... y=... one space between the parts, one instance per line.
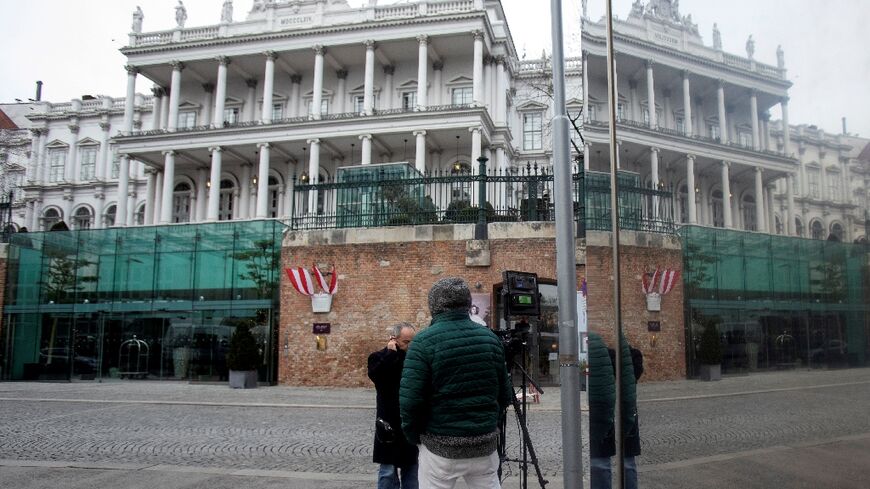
x=329 y=431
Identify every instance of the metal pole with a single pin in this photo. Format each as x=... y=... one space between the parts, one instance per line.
x=614 y=226
x=569 y=360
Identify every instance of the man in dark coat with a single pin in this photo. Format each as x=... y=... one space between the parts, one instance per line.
x=397 y=457
x=602 y=400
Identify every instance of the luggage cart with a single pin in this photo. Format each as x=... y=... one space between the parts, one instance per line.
x=133 y=359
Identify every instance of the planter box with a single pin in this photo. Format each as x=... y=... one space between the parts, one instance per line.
x=711 y=372
x=243 y=379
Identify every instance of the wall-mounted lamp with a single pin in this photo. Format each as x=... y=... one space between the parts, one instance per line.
x=254 y=180
x=304 y=177
x=208 y=183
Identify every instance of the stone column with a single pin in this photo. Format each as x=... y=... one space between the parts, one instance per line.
x=71 y=170
x=586 y=116
x=317 y=90
x=753 y=113
x=158 y=198
x=164 y=109
x=149 y=195
x=501 y=88
x=156 y=113
x=129 y=102
x=690 y=188
x=207 y=116
x=726 y=195
x=313 y=172
x=651 y=95
x=41 y=161
x=102 y=172
x=243 y=206
x=633 y=101
x=786 y=131
x=369 y=80
x=123 y=191
x=475 y=147
x=366 y=149
x=220 y=96
x=488 y=87
x=250 y=109
x=263 y=182
x=477 y=73
x=168 y=187
x=422 y=71
x=214 y=192
x=654 y=166
x=288 y=188
x=723 y=119
x=687 y=104
x=201 y=193
x=420 y=161
x=387 y=97
x=668 y=112
x=771 y=210
x=174 y=94
x=268 y=87
x=759 y=202
x=789 y=196
x=295 y=81
x=341 y=92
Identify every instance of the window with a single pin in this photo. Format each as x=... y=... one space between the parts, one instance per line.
x=116 y=167
x=749 y=207
x=532 y=131
x=620 y=111
x=818 y=232
x=813 y=183
x=277 y=112
x=593 y=112
x=718 y=209
x=187 y=119
x=681 y=126
x=778 y=223
x=461 y=191
x=745 y=139
x=409 y=100
x=462 y=96
x=56 y=163
x=225 y=209
x=834 y=187
x=359 y=104
x=88 y=163
x=713 y=130
x=837 y=231
x=50 y=218
x=231 y=115
x=82 y=218
x=140 y=215
x=645 y=113
x=324 y=107
x=111 y=211
x=181 y=203
x=274 y=201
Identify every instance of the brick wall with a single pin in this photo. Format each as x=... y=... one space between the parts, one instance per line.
x=383 y=282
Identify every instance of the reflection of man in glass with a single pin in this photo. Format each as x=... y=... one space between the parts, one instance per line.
x=475 y=315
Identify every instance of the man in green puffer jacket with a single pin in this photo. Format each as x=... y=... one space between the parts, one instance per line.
x=453 y=392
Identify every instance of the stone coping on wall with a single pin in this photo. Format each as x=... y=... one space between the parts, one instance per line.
x=465 y=232
x=4 y=251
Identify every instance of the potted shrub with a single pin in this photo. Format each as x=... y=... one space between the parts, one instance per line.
x=243 y=358
x=710 y=352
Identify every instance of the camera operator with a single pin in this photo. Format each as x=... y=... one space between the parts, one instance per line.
x=397 y=457
x=453 y=392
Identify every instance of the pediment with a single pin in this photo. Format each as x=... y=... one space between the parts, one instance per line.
x=532 y=105
x=574 y=101
x=310 y=94
x=407 y=84
x=233 y=101
x=188 y=105
x=57 y=143
x=88 y=142
x=460 y=80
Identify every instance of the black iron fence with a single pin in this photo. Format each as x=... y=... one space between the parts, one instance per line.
x=398 y=195
x=6 y=227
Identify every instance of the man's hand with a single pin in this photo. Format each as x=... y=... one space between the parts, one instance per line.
x=392 y=343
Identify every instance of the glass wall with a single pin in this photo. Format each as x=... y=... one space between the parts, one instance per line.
x=778 y=302
x=142 y=302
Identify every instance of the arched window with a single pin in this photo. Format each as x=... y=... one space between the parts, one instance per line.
x=109 y=218
x=798 y=227
x=50 y=217
x=140 y=215
x=818 y=232
x=274 y=201
x=225 y=211
x=837 y=231
x=749 y=222
x=684 y=204
x=82 y=218
x=181 y=202
x=461 y=190
x=718 y=209
x=778 y=223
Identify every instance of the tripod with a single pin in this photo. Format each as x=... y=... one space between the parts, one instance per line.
x=526 y=446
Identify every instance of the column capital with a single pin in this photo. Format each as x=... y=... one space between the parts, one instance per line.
x=423 y=39
x=653 y=149
x=223 y=60
x=340 y=74
x=758 y=170
x=313 y=141
x=176 y=65
x=370 y=44
x=685 y=74
x=270 y=55
x=478 y=34
x=158 y=91
x=438 y=65
x=725 y=164
x=37 y=131
x=499 y=60
x=632 y=84
x=720 y=83
x=296 y=79
x=690 y=156
x=319 y=49
x=365 y=136
x=753 y=92
x=105 y=126
x=169 y=152
x=251 y=82
x=131 y=70
x=215 y=149
x=419 y=133
x=666 y=93
x=263 y=145
x=783 y=100
x=73 y=128
x=649 y=64
x=208 y=87
x=474 y=129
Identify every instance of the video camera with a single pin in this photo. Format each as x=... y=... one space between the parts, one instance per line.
x=520 y=294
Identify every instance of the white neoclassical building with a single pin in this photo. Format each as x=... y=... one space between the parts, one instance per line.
x=237 y=112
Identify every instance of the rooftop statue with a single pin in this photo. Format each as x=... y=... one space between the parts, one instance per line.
x=180 y=14
x=717 y=38
x=750 y=47
x=137 y=20
x=663 y=9
x=227 y=12
x=780 y=57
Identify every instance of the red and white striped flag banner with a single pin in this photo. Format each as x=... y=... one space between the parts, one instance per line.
x=648 y=285
x=333 y=281
x=669 y=279
x=301 y=280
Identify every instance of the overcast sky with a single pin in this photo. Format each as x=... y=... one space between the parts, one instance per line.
x=72 y=45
